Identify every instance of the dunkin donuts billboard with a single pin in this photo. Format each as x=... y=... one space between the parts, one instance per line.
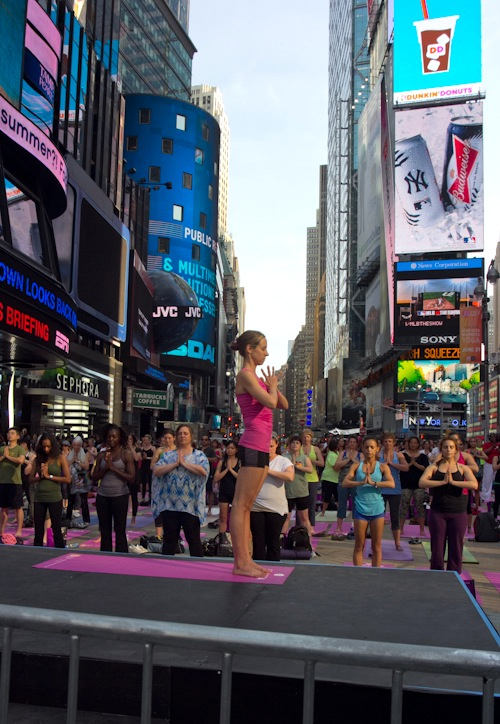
x=438 y=179
x=437 y=50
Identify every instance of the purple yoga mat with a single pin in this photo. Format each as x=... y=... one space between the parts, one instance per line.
x=142 y=521
x=191 y=570
x=413 y=531
x=389 y=552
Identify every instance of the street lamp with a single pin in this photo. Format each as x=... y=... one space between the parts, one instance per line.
x=419 y=387
x=481 y=293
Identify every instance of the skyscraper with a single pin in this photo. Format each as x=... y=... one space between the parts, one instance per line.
x=210 y=99
x=156 y=52
x=348 y=91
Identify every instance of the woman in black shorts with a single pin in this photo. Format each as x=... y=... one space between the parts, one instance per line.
x=226 y=475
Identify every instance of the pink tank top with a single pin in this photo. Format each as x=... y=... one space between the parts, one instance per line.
x=258 y=421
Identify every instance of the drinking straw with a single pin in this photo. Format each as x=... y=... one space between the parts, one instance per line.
x=424 y=9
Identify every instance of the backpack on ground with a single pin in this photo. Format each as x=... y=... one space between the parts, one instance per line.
x=155 y=545
x=486 y=528
x=297 y=544
x=218 y=547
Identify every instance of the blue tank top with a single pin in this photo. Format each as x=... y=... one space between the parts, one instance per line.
x=368 y=499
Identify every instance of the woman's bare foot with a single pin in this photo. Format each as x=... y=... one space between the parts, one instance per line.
x=251 y=570
x=399 y=548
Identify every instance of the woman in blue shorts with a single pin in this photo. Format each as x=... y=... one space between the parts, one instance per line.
x=368 y=477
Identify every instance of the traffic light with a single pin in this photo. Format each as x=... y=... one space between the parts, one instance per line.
x=229 y=419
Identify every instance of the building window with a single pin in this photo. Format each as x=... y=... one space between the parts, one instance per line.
x=24 y=227
x=216 y=169
x=198 y=156
x=145 y=115
x=204 y=99
x=187 y=181
x=167 y=145
x=177 y=212
x=205 y=132
x=210 y=192
x=180 y=122
x=155 y=174
x=195 y=252
x=203 y=220
x=132 y=143
x=163 y=245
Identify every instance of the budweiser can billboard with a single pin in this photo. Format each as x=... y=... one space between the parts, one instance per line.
x=439 y=179
x=437 y=51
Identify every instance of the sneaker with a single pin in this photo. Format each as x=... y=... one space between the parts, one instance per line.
x=77 y=514
x=350 y=535
x=338 y=535
x=136 y=548
x=78 y=524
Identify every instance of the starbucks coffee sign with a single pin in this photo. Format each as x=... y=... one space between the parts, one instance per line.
x=152 y=399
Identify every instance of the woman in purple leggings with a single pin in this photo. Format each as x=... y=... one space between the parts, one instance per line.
x=448 y=482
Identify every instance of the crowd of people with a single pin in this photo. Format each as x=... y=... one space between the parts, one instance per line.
x=182 y=480
x=257 y=484
x=437 y=485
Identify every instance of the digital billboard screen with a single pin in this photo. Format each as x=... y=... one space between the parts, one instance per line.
x=41 y=66
x=369 y=178
x=430 y=296
x=433 y=382
x=13 y=17
x=437 y=50
x=439 y=179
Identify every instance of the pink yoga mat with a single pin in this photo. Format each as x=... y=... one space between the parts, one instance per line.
x=322 y=527
x=494 y=579
x=191 y=570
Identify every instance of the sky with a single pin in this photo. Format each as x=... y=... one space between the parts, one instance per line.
x=270 y=60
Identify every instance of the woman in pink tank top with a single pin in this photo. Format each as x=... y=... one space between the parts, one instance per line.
x=256 y=398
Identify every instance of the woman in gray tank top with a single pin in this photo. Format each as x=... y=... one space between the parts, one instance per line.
x=114 y=468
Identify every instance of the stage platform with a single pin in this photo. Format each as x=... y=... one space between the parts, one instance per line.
x=429 y=608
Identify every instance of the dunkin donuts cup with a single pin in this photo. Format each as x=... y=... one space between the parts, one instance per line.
x=435 y=38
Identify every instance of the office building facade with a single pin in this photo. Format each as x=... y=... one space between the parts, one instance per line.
x=348 y=92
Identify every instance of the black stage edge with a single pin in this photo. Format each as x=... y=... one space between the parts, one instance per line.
x=394 y=605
